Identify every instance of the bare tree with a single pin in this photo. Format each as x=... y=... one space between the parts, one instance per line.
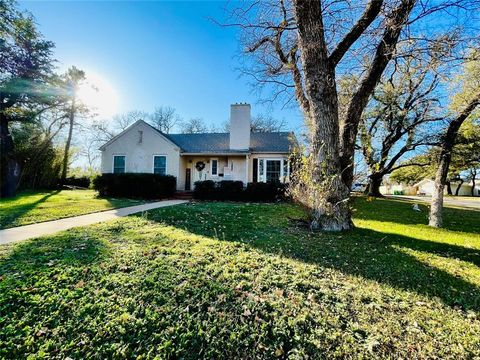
x=193 y=126
x=164 y=119
x=300 y=46
x=399 y=119
x=122 y=121
x=262 y=123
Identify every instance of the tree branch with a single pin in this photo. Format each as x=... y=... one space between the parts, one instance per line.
x=369 y=15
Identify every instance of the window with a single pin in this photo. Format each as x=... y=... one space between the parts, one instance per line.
x=140 y=136
x=273 y=170
x=214 y=167
x=118 y=164
x=160 y=164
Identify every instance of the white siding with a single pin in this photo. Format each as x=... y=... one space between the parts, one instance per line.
x=139 y=155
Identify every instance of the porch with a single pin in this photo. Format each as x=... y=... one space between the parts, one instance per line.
x=238 y=167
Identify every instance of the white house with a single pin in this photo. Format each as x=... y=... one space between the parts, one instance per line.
x=237 y=155
x=426 y=187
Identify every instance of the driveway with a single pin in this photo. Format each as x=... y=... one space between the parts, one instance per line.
x=51 y=227
x=460 y=201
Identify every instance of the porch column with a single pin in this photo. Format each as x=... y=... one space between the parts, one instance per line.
x=246 y=170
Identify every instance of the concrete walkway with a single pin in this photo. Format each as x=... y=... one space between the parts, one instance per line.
x=51 y=227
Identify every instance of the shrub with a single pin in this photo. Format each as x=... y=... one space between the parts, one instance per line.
x=271 y=191
x=205 y=190
x=135 y=185
x=235 y=191
x=83 y=181
x=229 y=190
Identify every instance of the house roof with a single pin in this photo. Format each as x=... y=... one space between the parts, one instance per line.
x=219 y=143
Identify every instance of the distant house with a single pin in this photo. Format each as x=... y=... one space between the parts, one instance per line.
x=393 y=188
x=237 y=155
x=426 y=186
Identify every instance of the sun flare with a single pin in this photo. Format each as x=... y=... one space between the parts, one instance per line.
x=98 y=95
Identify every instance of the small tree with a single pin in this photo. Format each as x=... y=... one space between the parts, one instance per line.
x=72 y=108
x=464 y=105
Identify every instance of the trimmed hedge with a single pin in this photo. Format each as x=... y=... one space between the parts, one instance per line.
x=270 y=191
x=235 y=191
x=83 y=181
x=135 y=185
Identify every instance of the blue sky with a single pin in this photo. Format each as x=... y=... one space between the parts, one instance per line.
x=155 y=53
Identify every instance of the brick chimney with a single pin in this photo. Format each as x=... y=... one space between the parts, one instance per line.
x=240 y=119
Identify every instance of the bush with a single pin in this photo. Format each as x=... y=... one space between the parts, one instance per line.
x=83 y=181
x=135 y=185
x=271 y=191
x=235 y=191
x=205 y=190
x=230 y=190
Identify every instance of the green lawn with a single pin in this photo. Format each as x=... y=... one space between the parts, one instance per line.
x=223 y=280
x=32 y=206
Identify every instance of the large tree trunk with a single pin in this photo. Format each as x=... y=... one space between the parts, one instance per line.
x=374 y=183
x=9 y=167
x=68 y=143
x=331 y=211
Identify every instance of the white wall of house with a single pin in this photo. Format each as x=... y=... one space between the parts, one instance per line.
x=139 y=144
x=390 y=189
x=465 y=189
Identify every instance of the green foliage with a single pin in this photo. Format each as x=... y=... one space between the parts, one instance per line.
x=465 y=156
x=83 y=181
x=26 y=64
x=29 y=207
x=222 y=281
x=135 y=185
x=40 y=160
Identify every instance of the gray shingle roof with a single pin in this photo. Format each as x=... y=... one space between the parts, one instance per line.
x=220 y=142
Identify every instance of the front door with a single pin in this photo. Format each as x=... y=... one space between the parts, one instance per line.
x=188 y=173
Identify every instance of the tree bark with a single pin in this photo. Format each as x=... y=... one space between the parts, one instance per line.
x=436 y=208
x=458 y=187
x=71 y=117
x=374 y=183
x=473 y=173
x=9 y=167
x=332 y=211
x=449 y=188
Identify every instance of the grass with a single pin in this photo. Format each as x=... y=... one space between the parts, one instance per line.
x=225 y=280
x=30 y=207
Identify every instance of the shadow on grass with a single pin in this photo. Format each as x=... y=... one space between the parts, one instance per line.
x=382 y=257
x=72 y=249
x=15 y=212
